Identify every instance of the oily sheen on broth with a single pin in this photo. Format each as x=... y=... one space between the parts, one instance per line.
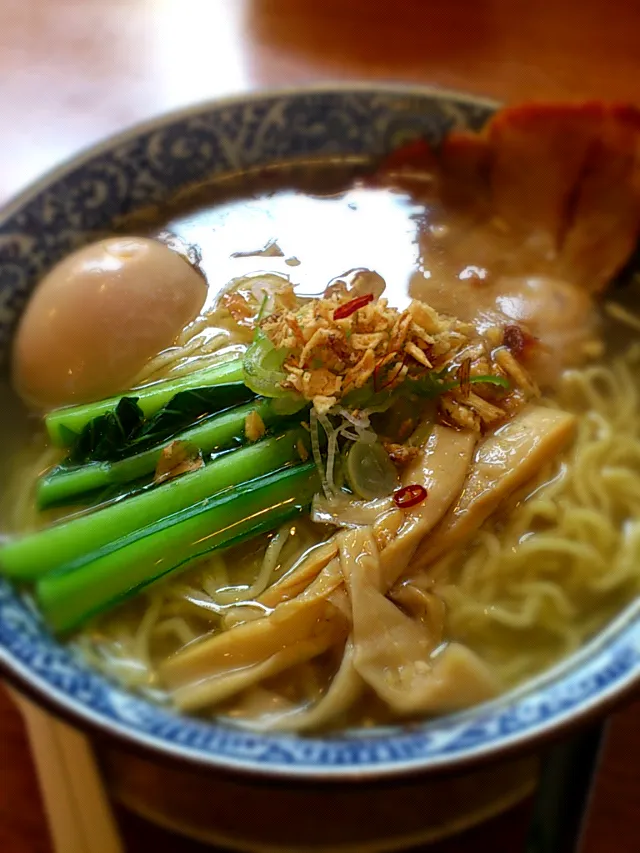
x=533 y=364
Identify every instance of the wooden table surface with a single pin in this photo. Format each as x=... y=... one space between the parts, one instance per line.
x=74 y=71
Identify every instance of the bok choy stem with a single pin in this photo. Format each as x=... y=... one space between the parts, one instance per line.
x=62 y=484
x=63 y=425
x=32 y=556
x=102 y=578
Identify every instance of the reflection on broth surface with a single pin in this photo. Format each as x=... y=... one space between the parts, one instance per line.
x=319 y=222
x=434 y=496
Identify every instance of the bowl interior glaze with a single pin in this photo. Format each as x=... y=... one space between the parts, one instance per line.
x=146 y=165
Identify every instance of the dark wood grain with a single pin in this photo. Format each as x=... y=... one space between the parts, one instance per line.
x=75 y=71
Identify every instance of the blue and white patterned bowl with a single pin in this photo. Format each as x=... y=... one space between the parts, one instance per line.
x=142 y=166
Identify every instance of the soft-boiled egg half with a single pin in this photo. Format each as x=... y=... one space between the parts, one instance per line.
x=96 y=319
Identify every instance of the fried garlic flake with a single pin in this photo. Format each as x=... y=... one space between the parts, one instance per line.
x=379 y=345
x=177 y=458
x=254 y=427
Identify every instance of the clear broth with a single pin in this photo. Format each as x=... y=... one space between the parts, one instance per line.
x=322 y=225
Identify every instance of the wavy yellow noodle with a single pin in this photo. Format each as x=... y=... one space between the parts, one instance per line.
x=541 y=577
x=548 y=572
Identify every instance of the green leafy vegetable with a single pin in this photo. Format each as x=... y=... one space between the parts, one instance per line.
x=125 y=431
x=431 y=384
x=186 y=408
x=499 y=381
x=434 y=383
x=109 y=479
x=64 y=425
x=106 y=435
x=35 y=554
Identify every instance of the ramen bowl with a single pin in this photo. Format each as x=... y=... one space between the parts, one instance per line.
x=66 y=209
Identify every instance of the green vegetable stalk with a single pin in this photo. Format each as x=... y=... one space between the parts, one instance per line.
x=216 y=432
x=64 y=425
x=32 y=556
x=102 y=578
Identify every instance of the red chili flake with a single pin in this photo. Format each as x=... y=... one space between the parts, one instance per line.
x=391 y=380
x=377 y=370
x=409 y=496
x=518 y=341
x=352 y=306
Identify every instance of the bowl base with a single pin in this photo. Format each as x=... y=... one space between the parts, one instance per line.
x=262 y=816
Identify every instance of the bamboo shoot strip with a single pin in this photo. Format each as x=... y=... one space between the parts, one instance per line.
x=63 y=425
x=101 y=579
x=34 y=555
x=217 y=432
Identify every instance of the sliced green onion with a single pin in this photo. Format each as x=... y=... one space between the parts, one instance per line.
x=369 y=471
x=262 y=365
x=489 y=379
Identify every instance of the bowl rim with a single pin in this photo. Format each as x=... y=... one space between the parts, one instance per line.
x=88 y=720
x=66 y=706
x=87 y=153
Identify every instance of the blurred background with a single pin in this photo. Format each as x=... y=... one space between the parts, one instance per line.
x=74 y=71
